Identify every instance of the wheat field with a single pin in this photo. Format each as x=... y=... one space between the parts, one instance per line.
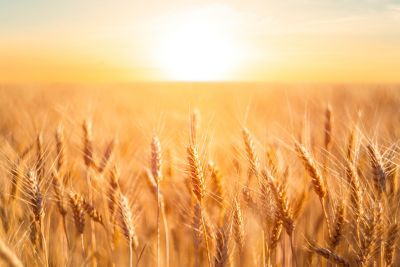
x=180 y=174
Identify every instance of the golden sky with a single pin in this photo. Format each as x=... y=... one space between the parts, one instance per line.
x=127 y=41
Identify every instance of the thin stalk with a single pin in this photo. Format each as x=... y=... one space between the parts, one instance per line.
x=327 y=223
x=291 y=237
x=112 y=250
x=269 y=254
x=323 y=204
x=83 y=248
x=266 y=250
x=44 y=242
x=284 y=256
x=263 y=247
x=164 y=217
x=64 y=223
x=158 y=224
x=206 y=239
x=130 y=253
x=92 y=225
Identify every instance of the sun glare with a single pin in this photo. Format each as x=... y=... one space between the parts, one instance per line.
x=197 y=48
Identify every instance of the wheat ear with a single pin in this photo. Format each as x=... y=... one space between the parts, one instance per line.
x=312 y=170
x=156 y=173
x=126 y=225
x=59 y=191
x=378 y=170
x=194 y=126
x=284 y=212
x=87 y=143
x=107 y=156
x=390 y=243
x=39 y=157
x=316 y=179
x=15 y=179
x=36 y=202
x=221 y=258
x=196 y=173
x=219 y=190
x=60 y=148
x=330 y=255
x=251 y=155
x=88 y=157
x=238 y=226
x=337 y=230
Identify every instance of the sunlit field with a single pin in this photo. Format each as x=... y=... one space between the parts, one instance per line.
x=199 y=174
x=199 y=133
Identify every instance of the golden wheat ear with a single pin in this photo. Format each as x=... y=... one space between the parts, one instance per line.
x=284 y=211
x=77 y=211
x=194 y=126
x=93 y=213
x=60 y=148
x=338 y=225
x=329 y=255
x=113 y=192
x=390 y=243
x=125 y=220
x=126 y=225
x=238 y=226
x=196 y=173
x=276 y=233
x=107 y=156
x=87 y=144
x=15 y=172
x=40 y=162
x=251 y=155
x=221 y=257
x=156 y=159
x=34 y=195
x=312 y=170
x=378 y=169
x=58 y=187
x=328 y=127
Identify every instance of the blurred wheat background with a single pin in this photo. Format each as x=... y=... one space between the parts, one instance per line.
x=199 y=175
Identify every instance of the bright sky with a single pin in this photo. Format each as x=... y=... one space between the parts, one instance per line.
x=122 y=41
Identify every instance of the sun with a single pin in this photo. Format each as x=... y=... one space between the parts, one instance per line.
x=197 y=48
